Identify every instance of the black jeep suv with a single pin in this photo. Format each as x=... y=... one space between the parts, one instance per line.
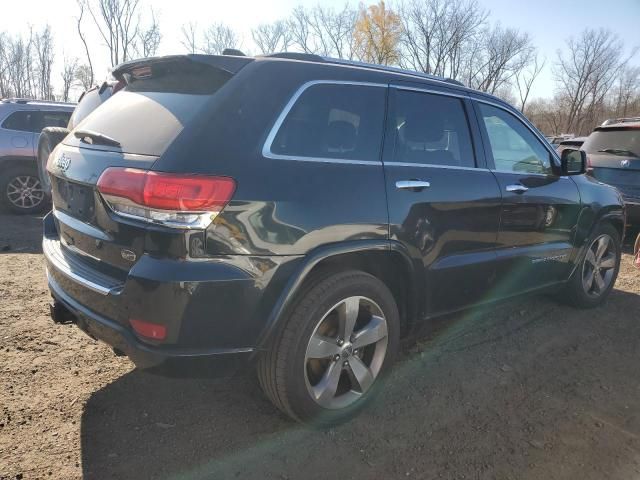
x=302 y=214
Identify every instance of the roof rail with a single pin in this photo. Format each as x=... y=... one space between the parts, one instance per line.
x=387 y=68
x=23 y=101
x=611 y=121
x=308 y=57
x=312 y=57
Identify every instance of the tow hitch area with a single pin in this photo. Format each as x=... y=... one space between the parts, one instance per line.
x=60 y=313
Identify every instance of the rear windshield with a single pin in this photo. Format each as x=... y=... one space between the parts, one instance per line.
x=153 y=109
x=623 y=141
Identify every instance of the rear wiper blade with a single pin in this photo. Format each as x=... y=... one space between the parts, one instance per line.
x=96 y=138
x=617 y=151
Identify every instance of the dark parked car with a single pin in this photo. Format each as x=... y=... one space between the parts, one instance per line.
x=574 y=143
x=302 y=215
x=51 y=136
x=613 y=153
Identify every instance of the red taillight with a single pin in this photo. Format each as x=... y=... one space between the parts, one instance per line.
x=152 y=195
x=153 y=331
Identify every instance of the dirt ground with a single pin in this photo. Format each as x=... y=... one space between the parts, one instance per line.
x=528 y=389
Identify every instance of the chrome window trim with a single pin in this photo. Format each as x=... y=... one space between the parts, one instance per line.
x=428 y=90
x=544 y=141
x=432 y=165
x=266 y=148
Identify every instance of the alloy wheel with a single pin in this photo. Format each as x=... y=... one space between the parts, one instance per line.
x=25 y=191
x=345 y=352
x=599 y=266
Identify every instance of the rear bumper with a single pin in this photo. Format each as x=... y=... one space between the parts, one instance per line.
x=213 y=310
x=166 y=359
x=633 y=212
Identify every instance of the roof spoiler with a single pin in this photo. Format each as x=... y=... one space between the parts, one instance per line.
x=227 y=63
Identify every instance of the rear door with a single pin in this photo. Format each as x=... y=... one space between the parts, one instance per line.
x=18 y=132
x=540 y=209
x=444 y=205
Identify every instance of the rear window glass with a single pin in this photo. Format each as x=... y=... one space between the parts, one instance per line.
x=334 y=121
x=153 y=109
x=21 y=121
x=625 y=141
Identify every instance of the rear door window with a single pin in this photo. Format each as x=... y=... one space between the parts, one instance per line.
x=431 y=129
x=55 y=119
x=334 y=121
x=24 y=121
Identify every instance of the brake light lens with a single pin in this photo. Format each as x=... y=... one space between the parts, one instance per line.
x=184 y=201
x=153 y=331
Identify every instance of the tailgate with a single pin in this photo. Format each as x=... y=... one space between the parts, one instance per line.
x=84 y=223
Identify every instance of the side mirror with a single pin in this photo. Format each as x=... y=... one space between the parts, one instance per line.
x=573 y=162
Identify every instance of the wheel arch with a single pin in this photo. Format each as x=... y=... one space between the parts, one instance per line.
x=386 y=260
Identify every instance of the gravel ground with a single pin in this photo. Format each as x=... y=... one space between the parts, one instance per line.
x=528 y=389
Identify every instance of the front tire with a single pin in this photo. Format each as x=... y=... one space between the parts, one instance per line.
x=49 y=139
x=333 y=350
x=593 y=279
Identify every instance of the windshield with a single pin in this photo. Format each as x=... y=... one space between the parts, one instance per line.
x=623 y=141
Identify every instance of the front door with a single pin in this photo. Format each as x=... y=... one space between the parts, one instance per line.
x=540 y=209
x=444 y=205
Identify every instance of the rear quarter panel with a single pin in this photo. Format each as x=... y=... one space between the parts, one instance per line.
x=280 y=207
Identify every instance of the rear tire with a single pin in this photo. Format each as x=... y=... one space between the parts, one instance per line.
x=21 y=191
x=49 y=139
x=309 y=371
x=595 y=276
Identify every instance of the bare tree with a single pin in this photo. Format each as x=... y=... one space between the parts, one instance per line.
x=5 y=89
x=43 y=50
x=586 y=73
x=89 y=71
x=68 y=76
x=272 y=37
x=190 y=37
x=438 y=33
x=118 y=22
x=524 y=81
x=323 y=31
x=84 y=76
x=335 y=30
x=149 y=38
x=18 y=58
x=626 y=92
x=218 y=37
x=300 y=28
x=501 y=54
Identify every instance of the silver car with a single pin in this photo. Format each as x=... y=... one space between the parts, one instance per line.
x=21 y=122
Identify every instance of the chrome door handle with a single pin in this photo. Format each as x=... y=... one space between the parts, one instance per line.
x=412 y=184
x=516 y=188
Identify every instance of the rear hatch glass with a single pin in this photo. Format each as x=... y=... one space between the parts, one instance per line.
x=622 y=141
x=153 y=109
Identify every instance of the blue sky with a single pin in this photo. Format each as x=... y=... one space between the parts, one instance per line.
x=548 y=22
